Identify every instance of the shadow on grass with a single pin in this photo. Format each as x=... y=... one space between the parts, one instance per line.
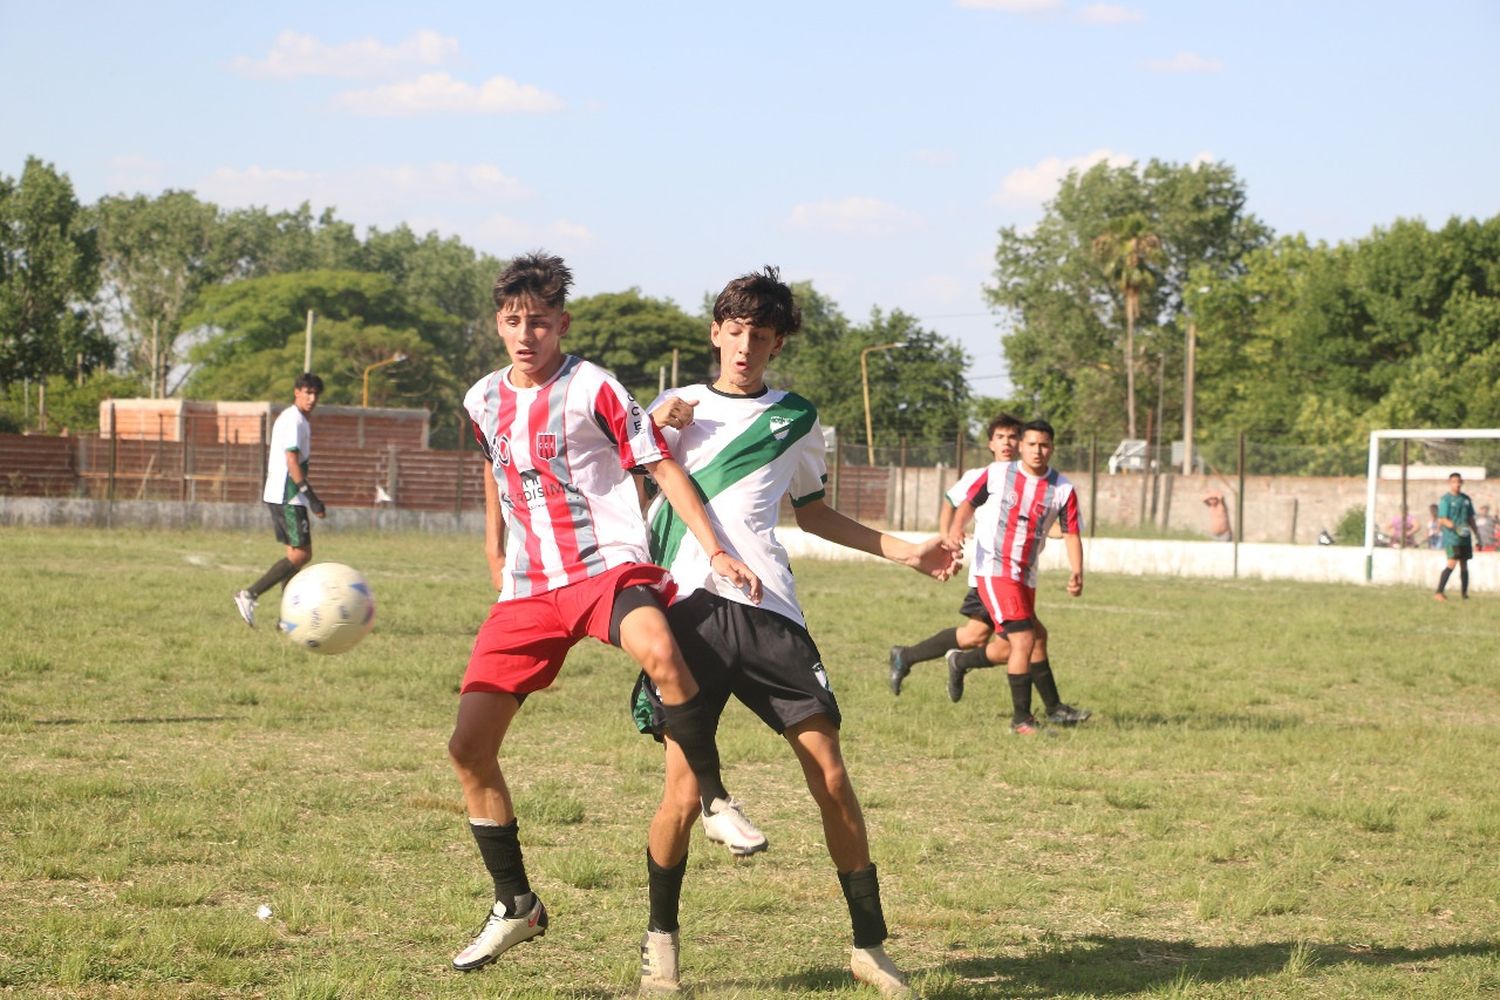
x=1113 y=966
x=1206 y=720
x=1107 y=966
x=155 y=720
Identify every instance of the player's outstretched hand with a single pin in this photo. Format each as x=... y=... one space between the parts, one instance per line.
x=935 y=558
x=675 y=412
x=1075 y=584
x=736 y=573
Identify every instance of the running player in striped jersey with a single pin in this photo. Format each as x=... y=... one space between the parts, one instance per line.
x=567 y=550
x=746 y=446
x=1016 y=503
x=1002 y=435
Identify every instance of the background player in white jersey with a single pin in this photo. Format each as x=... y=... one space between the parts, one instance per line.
x=1024 y=498
x=746 y=446
x=1002 y=436
x=288 y=495
x=567 y=550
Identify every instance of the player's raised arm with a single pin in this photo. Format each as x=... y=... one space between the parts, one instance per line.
x=931 y=557
x=683 y=496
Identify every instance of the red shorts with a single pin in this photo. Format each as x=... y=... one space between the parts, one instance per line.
x=522 y=644
x=1007 y=600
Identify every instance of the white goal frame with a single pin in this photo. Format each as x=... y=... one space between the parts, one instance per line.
x=1372 y=477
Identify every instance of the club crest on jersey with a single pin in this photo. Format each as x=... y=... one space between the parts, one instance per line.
x=546 y=445
x=1012 y=498
x=779 y=427
x=502 y=449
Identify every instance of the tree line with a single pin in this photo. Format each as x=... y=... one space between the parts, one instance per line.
x=1303 y=345
x=1129 y=271
x=174 y=296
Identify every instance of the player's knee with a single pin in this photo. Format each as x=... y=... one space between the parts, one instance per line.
x=467 y=751
x=972 y=635
x=300 y=557
x=658 y=656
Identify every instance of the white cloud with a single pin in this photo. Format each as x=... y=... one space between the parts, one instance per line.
x=294 y=54
x=131 y=172
x=854 y=216
x=1035 y=184
x=366 y=193
x=1185 y=62
x=506 y=234
x=1201 y=157
x=433 y=93
x=1013 y=6
x=1110 y=13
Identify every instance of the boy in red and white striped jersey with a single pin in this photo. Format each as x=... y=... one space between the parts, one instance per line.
x=567 y=550
x=1025 y=497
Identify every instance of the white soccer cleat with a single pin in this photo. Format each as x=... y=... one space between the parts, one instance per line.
x=659 y=974
x=873 y=967
x=246 y=605
x=725 y=823
x=500 y=933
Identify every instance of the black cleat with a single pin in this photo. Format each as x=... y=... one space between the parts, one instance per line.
x=899 y=669
x=955 y=675
x=1067 y=715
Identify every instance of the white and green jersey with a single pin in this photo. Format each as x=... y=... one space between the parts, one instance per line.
x=744 y=453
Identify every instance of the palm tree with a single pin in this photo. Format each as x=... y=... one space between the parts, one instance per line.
x=1127 y=251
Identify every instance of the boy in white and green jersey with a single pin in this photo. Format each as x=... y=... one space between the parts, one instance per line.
x=746 y=446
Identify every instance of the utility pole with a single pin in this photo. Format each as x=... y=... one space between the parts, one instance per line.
x=307 y=350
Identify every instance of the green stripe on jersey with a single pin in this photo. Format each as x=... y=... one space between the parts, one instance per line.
x=782 y=425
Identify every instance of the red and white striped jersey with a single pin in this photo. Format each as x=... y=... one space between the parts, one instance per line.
x=562 y=455
x=1013 y=511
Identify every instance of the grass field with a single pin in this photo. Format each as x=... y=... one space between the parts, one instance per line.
x=1287 y=791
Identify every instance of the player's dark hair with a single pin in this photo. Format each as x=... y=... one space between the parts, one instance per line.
x=307 y=380
x=1003 y=420
x=1456 y=475
x=1041 y=426
x=762 y=298
x=538 y=276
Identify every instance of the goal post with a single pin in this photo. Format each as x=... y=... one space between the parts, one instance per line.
x=1373 y=475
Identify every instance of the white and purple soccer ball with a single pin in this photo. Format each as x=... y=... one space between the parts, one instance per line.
x=327 y=608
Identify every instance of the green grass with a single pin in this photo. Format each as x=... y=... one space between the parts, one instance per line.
x=1287 y=791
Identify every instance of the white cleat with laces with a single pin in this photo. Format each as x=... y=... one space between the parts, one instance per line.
x=724 y=822
x=500 y=933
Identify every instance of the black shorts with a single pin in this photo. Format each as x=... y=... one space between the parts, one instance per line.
x=974 y=608
x=766 y=661
x=292 y=527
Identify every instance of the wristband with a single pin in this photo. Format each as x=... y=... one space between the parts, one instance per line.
x=715 y=554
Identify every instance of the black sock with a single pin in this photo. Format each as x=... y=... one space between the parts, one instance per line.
x=500 y=847
x=862 y=893
x=1443 y=580
x=932 y=647
x=973 y=659
x=664 y=888
x=1463 y=580
x=1046 y=685
x=692 y=724
x=1020 y=696
x=280 y=572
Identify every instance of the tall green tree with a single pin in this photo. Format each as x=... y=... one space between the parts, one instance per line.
x=49 y=269
x=1062 y=341
x=1129 y=253
x=253 y=342
x=157 y=254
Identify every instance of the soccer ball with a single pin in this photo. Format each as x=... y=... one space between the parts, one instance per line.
x=327 y=608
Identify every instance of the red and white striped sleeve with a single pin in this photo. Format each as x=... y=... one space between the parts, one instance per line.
x=634 y=433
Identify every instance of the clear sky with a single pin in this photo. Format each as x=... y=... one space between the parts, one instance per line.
x=874 y=148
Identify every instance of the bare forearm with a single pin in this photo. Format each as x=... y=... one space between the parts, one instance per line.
x=825 y=522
